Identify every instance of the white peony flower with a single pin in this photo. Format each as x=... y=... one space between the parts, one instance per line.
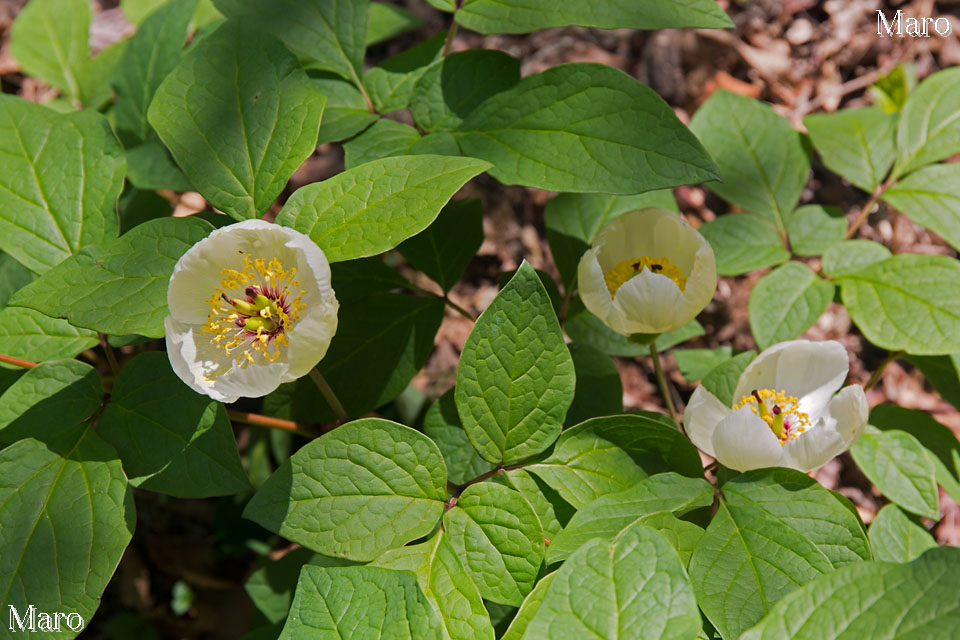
x=251 y=306
x=785 y=412
x=647 y=272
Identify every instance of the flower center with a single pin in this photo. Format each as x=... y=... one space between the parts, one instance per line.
x=253 y=309
x=779 y=411
x=626 y=269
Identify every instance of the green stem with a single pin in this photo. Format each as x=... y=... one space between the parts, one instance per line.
x=867 y=208
x=662 y=381
x=111 y=356
x=876 y=375
x=453 y=305
x=329 y=395
x=567 y=297
x=451 y=34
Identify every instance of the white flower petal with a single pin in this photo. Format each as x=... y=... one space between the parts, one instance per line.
x=847 y=413
x=594 y=292
x=628 y=237
x=702 y=415
x=701 y=285
x=811 y=371
x=649 y=302
x=674 y=238
x=813 y=449
x=743 y=441
x=182 y=352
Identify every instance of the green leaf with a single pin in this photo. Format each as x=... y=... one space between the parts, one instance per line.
x=333 y=33
x=360 y=603
x=610 y=514
x=129 y=273
x=272 y=585
x=136 y=11
x=573 y=219
x=531 y=604
x=901 y=468
x=94 y=78
x=812 y=229
x=607 y=455
x=345 y=113
x=891 y=91
x=358 y=279
x=672 y=338
x=526 y=16
x=384 y=139
x=499 y=537
x=13 y=277
x=446 y=584
x=683 y=536
x=907 y=302
x=931 y=198
x=368 y=486
x=49 y=398
x=694 y=364
x=742 y=243
x=631 y=587
x=67 y=514
x=386 y=21
x=374 y=207
x=786 y=302
x=515 y=379
x=189 y=452
x=151 y=167
x=30 y=335
x=392 y=82
x=137 y=206
x=50 y=41
x=894 y=537
x=799 y=502
x=943 y=372
x=585 y=328
x=442 y=424
x=859 y=144
x=876 y=600
x=745 y=562
x=59 y=187
x=445 y=248
x=150 y=55
x=553 y=511
x=584 y=127
x=599 y=391
x=722 y=380
x=852 y=255
x=240 y=116
x=929 y=128
x=447 y=92
x=762 y=160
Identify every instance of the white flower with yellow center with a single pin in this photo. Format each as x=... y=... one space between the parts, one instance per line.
x=251 y=306
x=785 y=413
x=647 y=272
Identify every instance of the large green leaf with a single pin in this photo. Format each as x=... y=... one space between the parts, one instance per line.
x=694 y=364
x=368 y=486
x=447 y=585
x=392 y=82
x=852 y=255
x=745 y=562
x=813 y=229
x=50 y=41
x=333 y=33
x=553 y=511
x=525 y=16
x=67 y=514
x=528 y=609
x=584 y=127
x=929 y=128
x=631 y=587
x=762 y=160
x=742 y=243
x=909 y=302
x=876 y=600
x=442 y=424
x=607 y=516
x=445 y=248
x=13 y=277
x=859 y=144
x=931 y=198
x=386 y=21
x=943 y=372
x=150 y=55
x=515 y=380
x=599 y=391
x=240 y=116
x=31 y=335
x=374 y=207
x=272 y=585
x=189 y=452
x=606 y=455
x=786 y=302
x=722 y=380
x=129 y=273
x=345 y=113
x=901 y=468
x=360 y=603
x=894 y=537
x=384 y=139
x=499 y=537
x=60 y=182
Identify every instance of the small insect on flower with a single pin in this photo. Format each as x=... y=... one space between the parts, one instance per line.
x=647 y=272
x=251 y=307
x=784 y=412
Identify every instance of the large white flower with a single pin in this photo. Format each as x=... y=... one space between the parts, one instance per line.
x=251 y=306
x=647 y=272
x=785 y=412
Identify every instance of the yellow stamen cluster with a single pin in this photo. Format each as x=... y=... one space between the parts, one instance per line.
x=253 y=309
x=626 y=269
x=779 y=411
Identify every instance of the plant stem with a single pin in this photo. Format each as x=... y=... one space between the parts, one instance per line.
x=876 y=375
x=111 y=356
x=662 y=381
x=258 y=420
x=451 y=34
x=17 y=362
x=329 y=395
x=567 y=297
x=867 y=208
x=453 y=305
